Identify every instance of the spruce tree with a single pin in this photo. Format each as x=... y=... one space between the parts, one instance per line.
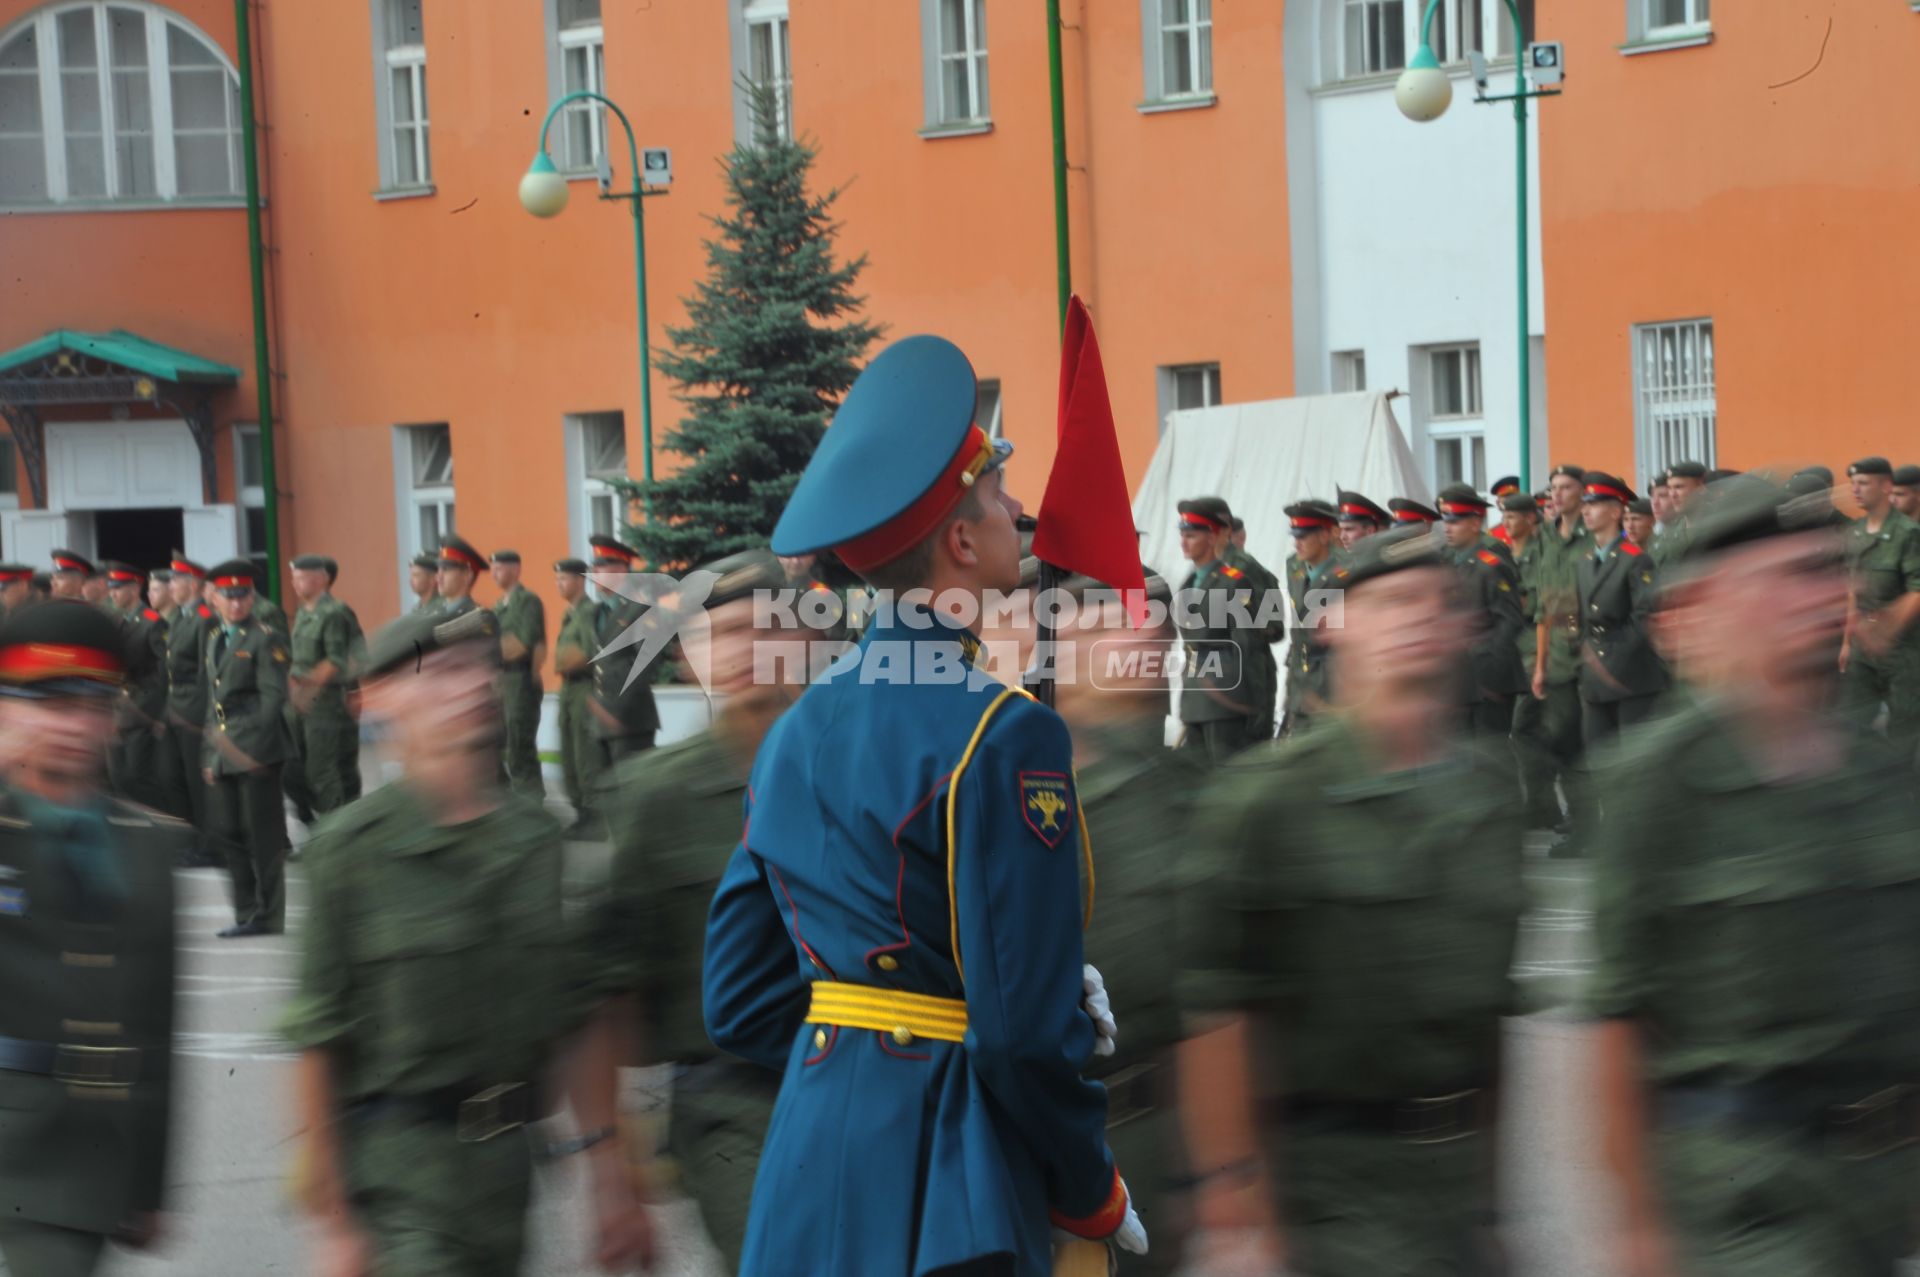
x=773 y=341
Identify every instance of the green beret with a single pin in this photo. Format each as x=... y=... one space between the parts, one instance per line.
x=1395 y=550
x=1640 y=505
x=427 y=561
x=407 y=640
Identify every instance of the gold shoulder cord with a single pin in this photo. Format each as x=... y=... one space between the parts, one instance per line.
x=953 y=807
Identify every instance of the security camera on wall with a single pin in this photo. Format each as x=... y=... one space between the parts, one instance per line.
x=1547 y=60
x=1477 y=63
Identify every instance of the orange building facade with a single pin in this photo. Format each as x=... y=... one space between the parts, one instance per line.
x=1726 y=209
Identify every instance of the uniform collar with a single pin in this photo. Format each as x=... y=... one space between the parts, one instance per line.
x=915 y=623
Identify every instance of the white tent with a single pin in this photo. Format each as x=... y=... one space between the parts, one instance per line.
x=1264 y=456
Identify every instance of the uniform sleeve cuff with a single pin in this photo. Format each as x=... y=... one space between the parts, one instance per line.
x=1104 y=1222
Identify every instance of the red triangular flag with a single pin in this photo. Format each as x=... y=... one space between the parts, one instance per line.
x=1085 y=522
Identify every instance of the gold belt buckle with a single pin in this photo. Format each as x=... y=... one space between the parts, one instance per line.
x=96 y=1066
x=1435 y=1119
x=481 y=1117
x=1872 y=1127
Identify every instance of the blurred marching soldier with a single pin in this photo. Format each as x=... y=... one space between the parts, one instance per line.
x=1881 y=656
x=350 y=685
x=1620 y=673
x=1360 y=518
x=581 y=760
x=1817 y=482
x=523 y=651
x=460 y=564
x=71 y=573
x=914 y=963
x=325 y=736
x=86 y=940
x=137 y=762
x=1266 y=599
x=1758 y=980
x=1348 y=914
x=433 y=980
x=1312 y=571
x=1637 y=523
x=1546 y=718
x=1221 y=694
x=674 y=819
x=1686 y=480
x=624 y=712
x=186 y=688
x=16 y=585
x=1492 y=600
x=423 y=578
x=1502 y=488
x=1906 y=491
x=244 y=746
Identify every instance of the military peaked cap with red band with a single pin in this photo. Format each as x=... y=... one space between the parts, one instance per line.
x=187 y=567
x=457 y=553
x=11 y=572
x=68 y=561
x=1210 y=514
x=1407 y=510
x=1460 y=501
x=1604 y=487
x=1311 y=516
x=901 y=453
x=61 y=647
x=1355 y=508
x=612 y=552
x=1505 y=485
x=235 y=576
x=123 y=573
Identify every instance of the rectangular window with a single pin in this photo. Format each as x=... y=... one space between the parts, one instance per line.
x=251 y=495
x=430 y=494
x=580 y=50
x=1454 y=429
x=1373 y=37
x=9 y=475
x=403 y=96
x=986 y=409
x=1186 y=386
x=1460 y=458
x=1674 y=406
x=1454 y=382
x=1349 y=371
x=206 y=119
x=601 y=444
x=768 y=64
x=1186 y=48
x=1503 y=26
x=1666 y=18
x=960 y=63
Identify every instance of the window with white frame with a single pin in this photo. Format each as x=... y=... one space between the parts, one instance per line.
x=1349 y=371
x=401 y=96
x=763 y=62
x=954 y=36
x=602 y=450
x=1460 y=27
x=1373 y=37
x=429 y=511
x=9 y=475
x=1186 y=386
x=1669 y=19
x=1503 y=25
x=1178 y=35
x=251 y=494
x=108 y=102
x=1455 y=431
x=986 y=409
x=580 y=66
x=1673 y=394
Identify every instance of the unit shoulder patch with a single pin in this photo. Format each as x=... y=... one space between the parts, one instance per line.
x=1045 y=804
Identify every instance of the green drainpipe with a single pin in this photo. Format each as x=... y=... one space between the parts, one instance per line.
x=256 y=270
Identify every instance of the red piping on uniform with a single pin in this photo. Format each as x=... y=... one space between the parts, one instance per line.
x=802 y=940
x=881 y=1038
x=900 y=882
x=833 y=1039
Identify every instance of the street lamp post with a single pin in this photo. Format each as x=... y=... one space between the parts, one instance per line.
x=543 y=192
x=1423 y=93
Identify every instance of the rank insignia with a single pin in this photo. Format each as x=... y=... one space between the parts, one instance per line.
x=1045 y=803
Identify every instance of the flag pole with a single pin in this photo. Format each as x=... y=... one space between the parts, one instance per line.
x=1040 y=679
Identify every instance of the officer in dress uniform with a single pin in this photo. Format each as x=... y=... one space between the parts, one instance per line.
x=1226 y=698
x=134 y=764
x=423 y=578
x=1503 y=487
x=434 y=978
x=244 y=745
x=87 y=944
x=1881 y=657
x=1360 y=518
x=71 y=572
x=1267 y=601
x=1348 y=910
x=460 y=565
x=573 y=650
x=523 y=651
x=1492 y=598
x=1312 y=572
x=674 y=816
x=186 y=687
x=622 y=704
x=16 y=584
x=1621 y=676
x=899 y=931
x=1758 y=980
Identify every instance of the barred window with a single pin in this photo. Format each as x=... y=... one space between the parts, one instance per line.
x=1675 y=413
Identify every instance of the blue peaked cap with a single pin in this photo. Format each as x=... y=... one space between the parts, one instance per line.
x=897 y=431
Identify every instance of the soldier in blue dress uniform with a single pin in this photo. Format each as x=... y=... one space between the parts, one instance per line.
x=899 y=930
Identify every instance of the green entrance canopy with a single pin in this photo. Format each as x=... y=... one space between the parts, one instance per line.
x=128 y=350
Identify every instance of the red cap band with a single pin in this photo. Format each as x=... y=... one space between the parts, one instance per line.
x=1609 y=491
x=61 y=563
x=1411 y=516
x=124 y=577
x=1193 y=519
x=900 y=533
x=460 y=558
x=34 y=662
x=188 y=569
x=8 y=578
x=1311 y=521
x=1358 y=511
x=233 y=582
x=1461 y=507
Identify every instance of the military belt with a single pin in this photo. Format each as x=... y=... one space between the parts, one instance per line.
x=904 y=1015
x=1854 y=1131
x=91 y=1066
x=476 y=1116
x=1422 y=1119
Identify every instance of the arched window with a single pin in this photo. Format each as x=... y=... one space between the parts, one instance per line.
x=107 y=101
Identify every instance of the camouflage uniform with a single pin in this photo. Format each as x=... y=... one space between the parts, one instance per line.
x=1309 y=684
x=1886 y=565
x=523 y=617
x=326 y=739
x=582 y=759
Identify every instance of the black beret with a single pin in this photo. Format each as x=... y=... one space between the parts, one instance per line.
x=427 y=561
x=61 y=647
x=1871 y=465
x=1519 y=503
x=1395 y=550
x=1687 y=470
x=1640 y=505
x=506 y=556
x=405 y=641
x=1569 y=469
x=1907 y=477
x=310 y=563
x=576 y=566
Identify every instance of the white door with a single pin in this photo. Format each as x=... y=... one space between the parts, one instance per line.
x=121 y=465
x=31 y=536
x=211 y=533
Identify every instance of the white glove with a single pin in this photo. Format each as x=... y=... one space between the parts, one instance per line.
x=1094 y=1002
x=1132 y=1234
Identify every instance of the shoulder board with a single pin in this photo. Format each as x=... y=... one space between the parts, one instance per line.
x=1341 y=573
x=1629 y=548
x=150 y=614
x=1488 y=557
x=1228 y=570
x=206 y=613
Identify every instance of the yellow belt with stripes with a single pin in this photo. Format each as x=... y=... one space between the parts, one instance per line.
x=905 y=1015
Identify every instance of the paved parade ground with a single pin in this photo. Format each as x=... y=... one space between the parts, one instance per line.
x=231 y=1215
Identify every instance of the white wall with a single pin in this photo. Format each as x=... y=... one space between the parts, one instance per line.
x=1403 y=236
